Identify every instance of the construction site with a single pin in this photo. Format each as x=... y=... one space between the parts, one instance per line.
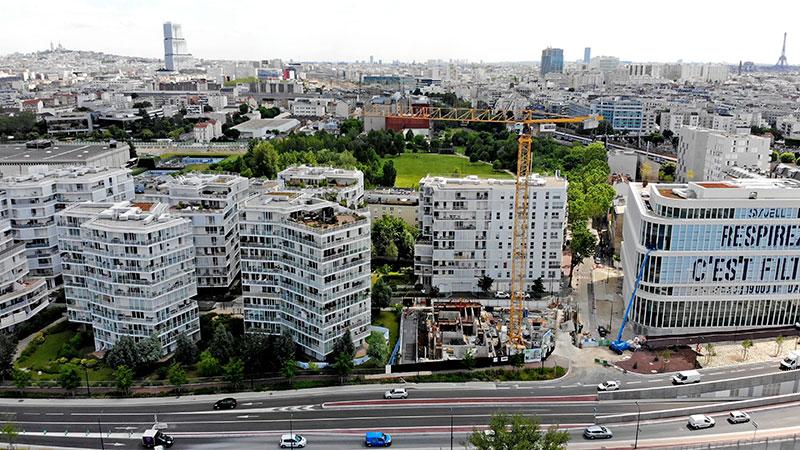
x=452 y=329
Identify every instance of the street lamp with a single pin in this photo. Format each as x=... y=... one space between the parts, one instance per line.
x=755 y=429
x=451 y=428
x=88 y=389
x=638 y=418
x=291 y=428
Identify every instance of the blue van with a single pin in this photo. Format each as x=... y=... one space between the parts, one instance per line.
x=377 y=439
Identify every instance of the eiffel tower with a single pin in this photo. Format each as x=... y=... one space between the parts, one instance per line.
x=782 y=63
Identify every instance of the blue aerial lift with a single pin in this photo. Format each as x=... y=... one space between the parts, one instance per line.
x=619 y=345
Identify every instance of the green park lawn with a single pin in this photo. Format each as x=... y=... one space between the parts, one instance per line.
x=390 y=320
x=45 y=356
x=411 y=167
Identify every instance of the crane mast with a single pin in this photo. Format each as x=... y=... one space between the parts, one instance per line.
x=520 y=232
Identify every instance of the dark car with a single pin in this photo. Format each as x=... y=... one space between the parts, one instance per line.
x=225 y=403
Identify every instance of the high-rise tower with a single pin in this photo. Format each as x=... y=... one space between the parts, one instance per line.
x=587 y=55
x=782 y=62
x=176 y=55
x=552 y=61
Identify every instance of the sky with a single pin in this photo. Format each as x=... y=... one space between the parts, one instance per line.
x=413 y=30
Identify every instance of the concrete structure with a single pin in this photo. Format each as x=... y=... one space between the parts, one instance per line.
x=305 y=269
x=176 y=54
x=43 y=156
x=704 y=154
x=725 y=255
x=466 y=232
x=342 y=186
x=129 y=271
x=789 y=126
x=212 y=203
x=587 y=55
x=260 y=128
x=625 y=114
x=400 y=203
x=35 y=200
x=21 y=297
x=552 y=61
x=69 y=123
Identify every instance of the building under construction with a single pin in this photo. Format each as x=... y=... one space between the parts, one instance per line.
x=449 y=330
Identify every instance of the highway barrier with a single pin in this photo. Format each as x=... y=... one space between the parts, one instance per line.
x=736 y=387
x=703 y=409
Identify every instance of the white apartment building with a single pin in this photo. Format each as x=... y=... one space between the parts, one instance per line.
x=34 y=201
x=305 y=269
x=725 y=256
x=212 y=203
x=340 y=185
x=308 y=107
x=129 y=271
x=466 y=232
x=703 y=154
x=21 y=297
x=789 y=126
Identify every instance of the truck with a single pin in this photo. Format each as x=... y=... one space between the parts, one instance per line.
x=791 y=362
x=687 y=377
x=153 y=438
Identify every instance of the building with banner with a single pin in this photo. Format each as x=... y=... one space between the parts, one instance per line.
x=725 y=256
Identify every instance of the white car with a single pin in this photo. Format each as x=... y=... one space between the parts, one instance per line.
x=608 y=386
x=396 y=393
x=292 y=441
x=738 y=417
x=597 y=432
x=502 y=294
x=699 y=421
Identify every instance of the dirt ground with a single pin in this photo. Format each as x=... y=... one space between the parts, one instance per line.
x=731 y=353
x=647 y=362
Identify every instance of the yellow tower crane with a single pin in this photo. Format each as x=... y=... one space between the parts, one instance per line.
x=527 y=120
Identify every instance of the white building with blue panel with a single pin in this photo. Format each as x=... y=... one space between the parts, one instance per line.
x=725 y=256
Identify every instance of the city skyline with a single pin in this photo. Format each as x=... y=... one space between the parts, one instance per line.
x=354 y=30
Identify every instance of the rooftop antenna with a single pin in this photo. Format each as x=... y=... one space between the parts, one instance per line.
x=782 y=63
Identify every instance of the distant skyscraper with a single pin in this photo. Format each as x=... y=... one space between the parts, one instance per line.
x=587 y=55
x=552 y=61
x=176 y=55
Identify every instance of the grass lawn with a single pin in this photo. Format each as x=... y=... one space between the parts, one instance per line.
x=411 y=167
x=460 y=149
x=46 y=352
x=390 y=320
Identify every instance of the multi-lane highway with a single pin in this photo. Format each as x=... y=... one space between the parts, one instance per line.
x=337 y=418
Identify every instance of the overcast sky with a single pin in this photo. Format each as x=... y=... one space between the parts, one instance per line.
x=347 y=30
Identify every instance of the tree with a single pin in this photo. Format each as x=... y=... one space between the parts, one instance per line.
x=9 y=433
x=538 y=290
x=378 y=348
x=289 y=370
x=666 y=172
x=149 y=349
x=787 y=157
x=69 y=377
x=351 y=127
x=381 y=294
x=177 y=376
x=221 y=346
x=392 y=230
x=244 y=108
x=343 y=366
x=124 y=379
x=284 y=348
x=485 y=283
x=8 y=348
x=774 y=156
x=468 y=360
x=262 y=160
x=22 y=379
x=185 y=349
x=234 y=372
x=582 y=245
x=517 y=432
x=497 y=165
x=746 y=345
x=208 y=365
x=409 y=136
x=517 y=360
x=125 y=352
x=389 y=174
x=344 y=345
x=779 y=344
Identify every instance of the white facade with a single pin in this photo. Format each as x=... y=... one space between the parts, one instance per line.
x=789 y=126
x=305 y=269
x=466 y=232
x=308 y=107
x=21 y=297
x=725 y=256
x=35 y=200
x=212 y=203
x=340 y=185
x=705 y=154
x=129 y=271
